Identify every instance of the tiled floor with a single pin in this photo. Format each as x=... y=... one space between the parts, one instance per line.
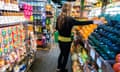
x=46 y=60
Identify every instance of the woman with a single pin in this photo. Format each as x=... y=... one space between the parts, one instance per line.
x=64 y=26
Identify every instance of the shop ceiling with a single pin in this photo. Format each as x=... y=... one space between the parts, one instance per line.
x=61 y=2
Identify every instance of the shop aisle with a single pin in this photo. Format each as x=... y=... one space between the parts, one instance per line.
x=46 y=60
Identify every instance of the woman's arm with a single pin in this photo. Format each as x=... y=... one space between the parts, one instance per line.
x=76 y=22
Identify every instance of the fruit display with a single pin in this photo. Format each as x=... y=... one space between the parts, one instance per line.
x=87 y=30
x=105 y=39
x=102 y=41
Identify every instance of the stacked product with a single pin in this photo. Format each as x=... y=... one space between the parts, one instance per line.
x=27 y=9
x=12 y=45
x=87 y=30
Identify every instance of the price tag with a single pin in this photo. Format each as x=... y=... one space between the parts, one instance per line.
x=11 y=48
x=3 y=33
x=5 y=50
x=9 y=31
x=5 y=41
x=10 y=39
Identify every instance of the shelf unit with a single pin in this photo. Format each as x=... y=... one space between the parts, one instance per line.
x=15 y=55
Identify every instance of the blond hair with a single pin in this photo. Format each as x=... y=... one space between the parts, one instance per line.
x=66 y=11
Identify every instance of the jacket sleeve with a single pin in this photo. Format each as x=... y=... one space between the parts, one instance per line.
x=76 y=22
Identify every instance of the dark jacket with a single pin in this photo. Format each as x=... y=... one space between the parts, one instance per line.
x=69 y=22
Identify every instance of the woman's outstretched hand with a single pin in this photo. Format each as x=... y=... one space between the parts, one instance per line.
x=99 y=22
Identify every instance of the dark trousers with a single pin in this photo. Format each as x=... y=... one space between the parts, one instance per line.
x=64 y=54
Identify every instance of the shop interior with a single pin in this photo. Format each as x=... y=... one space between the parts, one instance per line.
x=28 y=40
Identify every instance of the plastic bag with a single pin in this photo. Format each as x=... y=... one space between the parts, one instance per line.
x=56 y=34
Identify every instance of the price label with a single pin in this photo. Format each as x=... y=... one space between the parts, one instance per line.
x=3 y=33
x=5 y=50
x=5 y=41
x=10 y=39
x=11 y=48
x=9 y=31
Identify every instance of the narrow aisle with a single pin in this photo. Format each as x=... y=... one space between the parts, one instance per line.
x=46 y=61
